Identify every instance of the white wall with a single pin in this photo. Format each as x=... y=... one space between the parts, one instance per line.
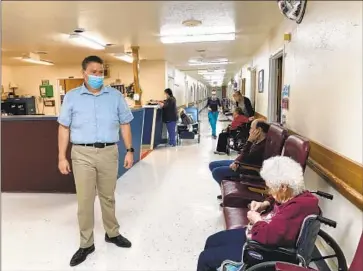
x=323 y=66
x=185 y=88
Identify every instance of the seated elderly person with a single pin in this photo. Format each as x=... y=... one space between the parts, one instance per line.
x=289 y=204
x=252 y=153
x=238 y=120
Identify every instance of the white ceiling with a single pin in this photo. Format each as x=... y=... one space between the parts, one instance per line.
x=30 y=26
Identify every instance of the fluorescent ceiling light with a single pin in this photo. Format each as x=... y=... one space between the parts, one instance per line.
x=211 y=72
x=220 y=61
x=86 y=41
x=35 y=59
x=125 y=57
x=42 y=62
x=198 y=38
x=213 y=77
x=170 y=30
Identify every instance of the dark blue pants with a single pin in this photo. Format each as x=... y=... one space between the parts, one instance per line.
x=221 y=171
x=224 y=245
x=170 y=126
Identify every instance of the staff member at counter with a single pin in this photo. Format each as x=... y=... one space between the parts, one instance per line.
x=170 y=115
x=90 y=118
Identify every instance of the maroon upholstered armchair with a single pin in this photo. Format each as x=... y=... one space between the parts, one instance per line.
x=237 y=195
x=275 y=140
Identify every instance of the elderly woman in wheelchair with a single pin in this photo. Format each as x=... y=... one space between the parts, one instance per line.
x=276 y=222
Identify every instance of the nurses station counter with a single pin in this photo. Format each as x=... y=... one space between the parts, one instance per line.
x=154 y=130
x=29 y=153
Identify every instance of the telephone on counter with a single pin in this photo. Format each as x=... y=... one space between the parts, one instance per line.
x=153 y=102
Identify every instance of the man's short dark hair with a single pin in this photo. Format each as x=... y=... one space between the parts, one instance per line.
x=263 y=125
x=238 y=110
x=90 y=59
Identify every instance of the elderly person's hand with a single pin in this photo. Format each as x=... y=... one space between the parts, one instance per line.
x=234 y=166
x=254 y=135
x=259 y=206
x=253 y=216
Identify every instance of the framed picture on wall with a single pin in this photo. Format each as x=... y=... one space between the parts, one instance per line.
x=260 y=81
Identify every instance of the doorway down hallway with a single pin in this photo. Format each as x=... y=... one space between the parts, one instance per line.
x=166 y=206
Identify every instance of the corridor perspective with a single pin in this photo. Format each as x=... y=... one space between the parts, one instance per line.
x=210 y=135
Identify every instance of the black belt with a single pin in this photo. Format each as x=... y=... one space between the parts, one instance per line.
x=96 y=145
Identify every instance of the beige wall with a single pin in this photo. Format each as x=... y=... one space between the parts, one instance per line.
x=6 y=77
x=323 y=66
x=28 y=78
x=153 y=80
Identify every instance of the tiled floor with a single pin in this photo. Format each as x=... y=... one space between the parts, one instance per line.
x=166 y=206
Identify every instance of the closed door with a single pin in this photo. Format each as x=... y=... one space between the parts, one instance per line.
x=70 y=84
x=243 y=87
x=253 y=88
x=279 y=89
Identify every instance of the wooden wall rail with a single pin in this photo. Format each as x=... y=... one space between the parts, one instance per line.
x=343 y=174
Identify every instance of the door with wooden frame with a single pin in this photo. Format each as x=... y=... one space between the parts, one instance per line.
x=278 y=89
x=243 y=86
x=253 y=88
x=70 y=83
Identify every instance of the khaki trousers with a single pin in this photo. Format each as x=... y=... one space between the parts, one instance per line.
x=93 y=169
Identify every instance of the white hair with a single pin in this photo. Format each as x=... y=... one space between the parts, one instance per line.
x=282 y=170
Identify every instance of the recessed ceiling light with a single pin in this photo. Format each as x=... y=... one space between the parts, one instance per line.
x=198 y=38
x=192 y=23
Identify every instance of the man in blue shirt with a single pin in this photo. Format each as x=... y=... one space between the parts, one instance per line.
x=91 y=118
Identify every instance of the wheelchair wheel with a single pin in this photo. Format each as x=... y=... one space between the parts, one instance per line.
x=338 y=253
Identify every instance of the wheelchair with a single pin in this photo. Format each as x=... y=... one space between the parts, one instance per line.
x=238 y=138
x=226 y=106
x=183 y=131
x=258 y=257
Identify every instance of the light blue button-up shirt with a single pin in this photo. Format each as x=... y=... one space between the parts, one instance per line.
x=94 y=117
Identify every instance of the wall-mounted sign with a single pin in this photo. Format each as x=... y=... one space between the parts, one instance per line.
x=286 y=91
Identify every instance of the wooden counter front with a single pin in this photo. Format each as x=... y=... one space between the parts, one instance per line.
x=29 y=156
